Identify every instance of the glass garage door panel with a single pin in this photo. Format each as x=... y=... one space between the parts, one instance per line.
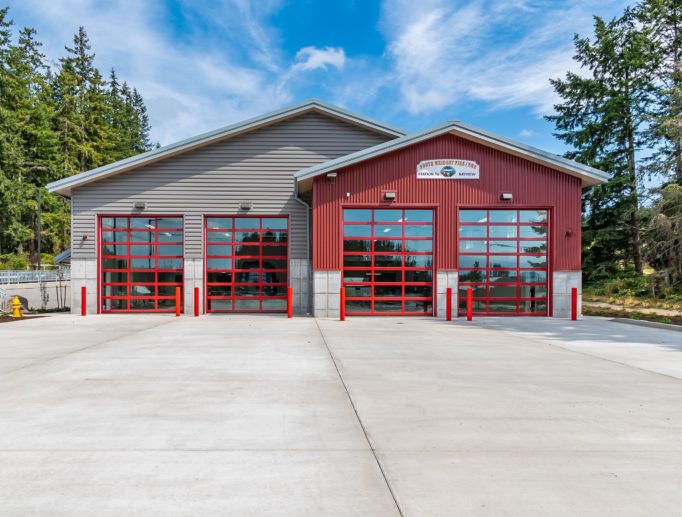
x=141 y=263
x=388 y=261
x=503 y=258
x=246 y=264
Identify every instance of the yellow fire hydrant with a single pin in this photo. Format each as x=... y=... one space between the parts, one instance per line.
x=16 y=308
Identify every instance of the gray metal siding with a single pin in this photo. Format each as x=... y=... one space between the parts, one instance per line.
x=256 y=167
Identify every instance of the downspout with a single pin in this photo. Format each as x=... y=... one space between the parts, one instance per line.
x=307 y=248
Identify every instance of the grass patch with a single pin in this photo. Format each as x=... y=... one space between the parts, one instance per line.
x=632 y=315
x=672 y=304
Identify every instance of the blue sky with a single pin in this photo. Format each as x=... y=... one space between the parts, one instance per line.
x=202 y=64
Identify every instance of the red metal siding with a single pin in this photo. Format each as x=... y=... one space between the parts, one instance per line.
x=532 y=185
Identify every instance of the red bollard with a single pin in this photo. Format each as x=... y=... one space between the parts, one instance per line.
x=574 y=304
x=290 y=302
x=448 y=304
x=342 y=304
x=470 y=304
x=84 y=302
x=196 y=302
x=177 y=301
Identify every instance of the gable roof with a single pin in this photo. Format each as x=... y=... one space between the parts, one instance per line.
x=65 y=185
x=588 y=175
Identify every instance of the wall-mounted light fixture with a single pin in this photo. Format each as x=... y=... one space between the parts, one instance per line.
x=140 y=205
x=506 y=196
x=389 y=196
x=85 y=237
x=245 y=205
x=569 y=233
x=331 y=176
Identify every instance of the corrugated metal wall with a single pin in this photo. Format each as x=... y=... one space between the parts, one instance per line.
x=257 y=167
x=532 y=185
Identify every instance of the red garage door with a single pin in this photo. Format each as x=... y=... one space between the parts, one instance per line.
x=388 y=261
x=503 y=259
x=246 y=264
x=141 y=263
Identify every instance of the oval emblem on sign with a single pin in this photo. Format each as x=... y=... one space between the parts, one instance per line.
x=448 y=171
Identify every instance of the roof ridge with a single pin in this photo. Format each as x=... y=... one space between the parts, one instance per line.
x=64 y=185
x=592 y=175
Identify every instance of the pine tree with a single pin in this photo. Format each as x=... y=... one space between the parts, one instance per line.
x=53 y=124
x=602 y=116
x=141 y=139
x=82 y=116
x=664 y=234
x=662 y=20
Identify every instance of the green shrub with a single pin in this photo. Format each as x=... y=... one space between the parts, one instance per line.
x=13 y=261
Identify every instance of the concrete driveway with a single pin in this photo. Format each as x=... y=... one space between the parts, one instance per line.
x=260 y=415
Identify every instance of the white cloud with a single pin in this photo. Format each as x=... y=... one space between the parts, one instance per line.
x=443 y=52
x=313 y=58
x=190 y=82
x=527 y=133
x=309 y=59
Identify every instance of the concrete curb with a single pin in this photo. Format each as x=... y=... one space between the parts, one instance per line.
x=652 y=324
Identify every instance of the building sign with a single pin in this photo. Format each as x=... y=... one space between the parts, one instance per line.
x=447 y=170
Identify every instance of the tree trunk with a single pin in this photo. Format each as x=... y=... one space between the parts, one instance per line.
x=634 y=237
x=677 y=109
x=632 y=174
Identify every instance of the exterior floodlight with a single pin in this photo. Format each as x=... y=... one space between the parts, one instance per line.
x=139 y=205
x=389 y=195
x=506 y=196
x=245 y=206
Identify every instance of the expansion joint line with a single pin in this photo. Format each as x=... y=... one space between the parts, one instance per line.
x=362 y=425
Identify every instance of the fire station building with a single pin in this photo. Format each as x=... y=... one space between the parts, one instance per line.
x=317 y=198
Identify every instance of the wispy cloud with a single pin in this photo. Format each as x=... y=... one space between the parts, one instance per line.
x=444 y=52
x=191 y=82
x=202 y=64
x=309 y=59
x=313 y=58
x=222 y=64
x=527 y=133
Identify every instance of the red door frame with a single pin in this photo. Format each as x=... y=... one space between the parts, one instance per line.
x=434 y=228
x=549 y=238
x=232 y=243
x=99 y=258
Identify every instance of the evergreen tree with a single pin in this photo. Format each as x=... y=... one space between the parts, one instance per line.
x=141 y=141
x=54 y=124
x=602 y=116
x=664 y=234
x=82 y=121
x=662 y=22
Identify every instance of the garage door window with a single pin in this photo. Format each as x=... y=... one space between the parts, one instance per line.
x=503 y=259
x=141 y=263
x=387 y=261
x=246 y=264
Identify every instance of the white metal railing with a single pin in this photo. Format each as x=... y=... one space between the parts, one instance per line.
x=18 y=277
x=3 y=300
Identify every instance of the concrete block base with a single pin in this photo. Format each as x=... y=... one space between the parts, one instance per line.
x=299 y=280
x=84 y=273
x=193 y=277
x=562 y=284
x=326 y=288
x=445 y=279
